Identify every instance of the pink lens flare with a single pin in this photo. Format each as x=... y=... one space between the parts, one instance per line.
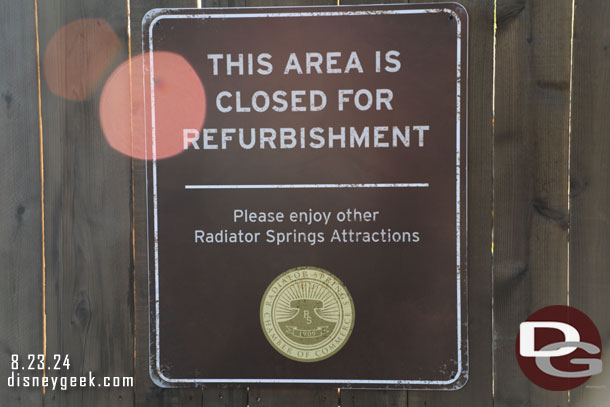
x=125 y=108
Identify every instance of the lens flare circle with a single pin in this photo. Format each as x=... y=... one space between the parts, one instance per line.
x=125 y=107
x=77 y=57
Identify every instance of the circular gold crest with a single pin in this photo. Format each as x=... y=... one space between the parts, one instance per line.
x=307 y=314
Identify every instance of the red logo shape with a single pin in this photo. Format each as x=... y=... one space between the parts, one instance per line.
x=559 y=348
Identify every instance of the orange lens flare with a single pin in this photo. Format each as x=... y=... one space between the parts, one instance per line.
x=77 y=57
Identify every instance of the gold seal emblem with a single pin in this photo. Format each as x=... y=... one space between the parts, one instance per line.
x=307 y=314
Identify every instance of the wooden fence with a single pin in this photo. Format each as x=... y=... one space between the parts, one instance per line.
x=73 y=280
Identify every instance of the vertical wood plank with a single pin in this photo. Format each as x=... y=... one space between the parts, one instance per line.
x=589 y=186
x=530 y=181
x=148 y=394
x=87 y=205
x=287 y=395
x=478 y=390
x=21 y=322
x=225 y=396
x=374 y=398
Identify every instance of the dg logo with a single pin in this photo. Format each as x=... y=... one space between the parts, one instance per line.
x=559 y=348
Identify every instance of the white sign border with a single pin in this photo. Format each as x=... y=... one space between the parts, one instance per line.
x=158 y=374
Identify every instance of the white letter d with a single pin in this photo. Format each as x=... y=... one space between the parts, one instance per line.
x=527 y=343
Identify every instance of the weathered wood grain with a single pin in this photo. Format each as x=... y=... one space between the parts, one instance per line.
x=87 y=212
x=374 y=398
x=225 y=396
x=590 y=185
x=530 y=181
x=478 y=389
x=289 y=395
x=21 y=321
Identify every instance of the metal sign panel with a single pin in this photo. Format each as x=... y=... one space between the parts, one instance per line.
x=311 y=226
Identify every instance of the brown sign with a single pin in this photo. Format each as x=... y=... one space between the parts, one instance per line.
x=307 y=195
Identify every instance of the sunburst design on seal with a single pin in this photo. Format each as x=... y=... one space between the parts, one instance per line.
x=307 y=314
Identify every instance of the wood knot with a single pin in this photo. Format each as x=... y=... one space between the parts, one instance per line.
x=509 y=10
x=8 y=98
x=577 y=187
x=82 y=312
x=554 y=215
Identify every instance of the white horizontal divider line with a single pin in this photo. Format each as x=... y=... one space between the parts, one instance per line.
x=309 y=186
